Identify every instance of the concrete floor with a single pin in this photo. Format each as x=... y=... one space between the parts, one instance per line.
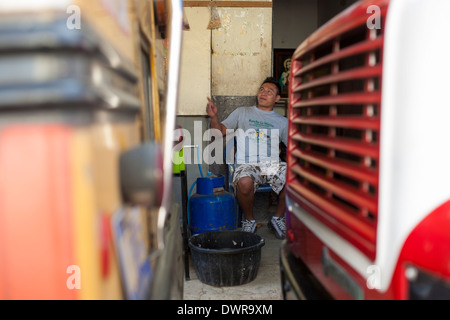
x=266 y=285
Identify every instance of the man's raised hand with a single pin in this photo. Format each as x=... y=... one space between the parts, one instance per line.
x=211 y=108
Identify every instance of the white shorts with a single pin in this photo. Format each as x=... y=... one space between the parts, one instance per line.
x=273 y=173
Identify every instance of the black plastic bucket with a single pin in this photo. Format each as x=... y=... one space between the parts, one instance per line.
x=226 y=258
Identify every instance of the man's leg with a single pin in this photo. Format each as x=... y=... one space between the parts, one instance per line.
x=246 y=178
x=245 y=195
x=278 y=222
x=278 y=180
x=281 y=204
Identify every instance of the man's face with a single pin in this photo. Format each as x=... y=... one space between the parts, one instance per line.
x=267 y=95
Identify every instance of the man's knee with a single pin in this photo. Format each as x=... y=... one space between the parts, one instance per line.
x=245 y=185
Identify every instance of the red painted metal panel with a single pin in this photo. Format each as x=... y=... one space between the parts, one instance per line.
x=428 y=245
x=336 y=165
x=337 y=217
x=334 y=124
x=306 y=244
x=346 y=122
x=359 y=73
x=356 y=49
x=358 y=148
x=348 y=193
x=350 y=98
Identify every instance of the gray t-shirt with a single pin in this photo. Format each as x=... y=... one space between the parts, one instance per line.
x=258 y=134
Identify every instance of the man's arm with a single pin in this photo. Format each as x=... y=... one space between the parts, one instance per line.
x=211 y=110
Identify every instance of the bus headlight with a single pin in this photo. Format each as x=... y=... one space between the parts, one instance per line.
x=425 y=286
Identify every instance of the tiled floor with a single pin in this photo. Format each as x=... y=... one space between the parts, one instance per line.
x=266 y=285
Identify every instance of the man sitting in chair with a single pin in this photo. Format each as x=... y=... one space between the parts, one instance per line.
x=258 y=131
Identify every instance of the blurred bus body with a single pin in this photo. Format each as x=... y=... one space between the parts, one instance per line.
x=88 y=93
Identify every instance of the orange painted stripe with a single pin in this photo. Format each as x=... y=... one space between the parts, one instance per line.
x=35 y=212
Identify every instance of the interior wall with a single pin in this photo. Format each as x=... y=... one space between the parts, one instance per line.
x=230 y=60
x=241 y=51
x=195 y=73
x=327 y=9
x=293 y=22
x=233 y=59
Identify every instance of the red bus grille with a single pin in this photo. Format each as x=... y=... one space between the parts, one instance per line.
x=334 y=119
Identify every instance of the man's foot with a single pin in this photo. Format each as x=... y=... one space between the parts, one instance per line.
x=248 y=225
x=278 y=226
